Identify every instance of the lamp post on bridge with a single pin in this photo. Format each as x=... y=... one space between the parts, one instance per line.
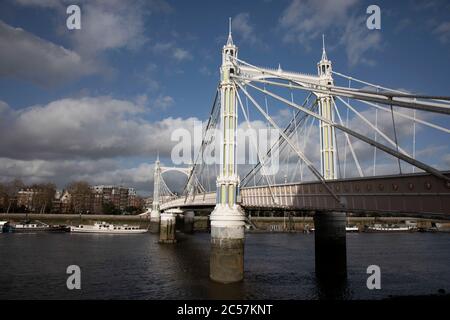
x=227 y=219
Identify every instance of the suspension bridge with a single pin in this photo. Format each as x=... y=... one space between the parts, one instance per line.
x=329 y=187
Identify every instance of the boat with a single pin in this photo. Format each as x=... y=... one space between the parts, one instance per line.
x=347 y=229
x=389 y=228
x=351 y=229
x=3 y=226
x=104 y=227
x=30 y=226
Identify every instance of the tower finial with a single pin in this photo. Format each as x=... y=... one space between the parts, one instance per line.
x=230 y=38
x=324 y=53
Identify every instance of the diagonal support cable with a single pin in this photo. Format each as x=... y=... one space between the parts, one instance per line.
x=358 y=166
x=380 y=146
x=291 y=144
x=372 y=126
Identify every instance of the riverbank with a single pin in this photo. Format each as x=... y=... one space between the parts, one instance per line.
x=201 y=223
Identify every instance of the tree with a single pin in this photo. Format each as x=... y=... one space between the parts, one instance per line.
x=81 y=196
x=43 y=196
x=110 y=208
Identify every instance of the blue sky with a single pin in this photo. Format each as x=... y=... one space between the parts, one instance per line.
x=138 y=69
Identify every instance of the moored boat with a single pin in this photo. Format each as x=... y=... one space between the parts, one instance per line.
x=3 y=226
x=30 y=226
x=108 y=228
x=389 y=228
x=351 y=229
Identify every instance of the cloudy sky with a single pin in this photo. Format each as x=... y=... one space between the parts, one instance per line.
x=99 y=103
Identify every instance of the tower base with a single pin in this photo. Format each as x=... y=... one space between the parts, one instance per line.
x=227 y=244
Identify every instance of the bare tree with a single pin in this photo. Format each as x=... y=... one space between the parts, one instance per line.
x=81 y=196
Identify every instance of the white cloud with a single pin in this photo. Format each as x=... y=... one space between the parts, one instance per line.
x=443 y=32
x=90 y=127
x=243 y=27
x=358 y=41
x=304 y=21
x=171 y=48
x=110 y=25
x=181 y=54
x=25 y=56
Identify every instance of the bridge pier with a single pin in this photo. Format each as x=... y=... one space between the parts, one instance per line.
x=188 y=222
x=167 y=227
x=330 y=245
x=155 y=218
x=227 y=245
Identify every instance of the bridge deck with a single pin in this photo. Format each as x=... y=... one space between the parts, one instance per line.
x=418 y=193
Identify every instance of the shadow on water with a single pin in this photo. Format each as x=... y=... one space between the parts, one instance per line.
x=333 y=288
x=192 y=255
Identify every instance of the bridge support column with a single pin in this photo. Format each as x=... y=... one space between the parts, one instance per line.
x=155 y=218
x=167 y=228
x=330 y=245
x=188 y=222
x=227 y=244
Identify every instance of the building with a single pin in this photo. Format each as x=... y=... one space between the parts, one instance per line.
x=121 y=197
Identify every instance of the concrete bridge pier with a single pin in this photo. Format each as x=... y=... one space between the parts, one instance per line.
x=330 y=245
x=167 y=227
x=155 y=217
x=227 y=245
x=188 y=222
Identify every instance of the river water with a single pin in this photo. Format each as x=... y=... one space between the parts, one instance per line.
x=277 y=266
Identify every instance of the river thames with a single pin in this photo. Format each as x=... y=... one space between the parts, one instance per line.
x=277 y=266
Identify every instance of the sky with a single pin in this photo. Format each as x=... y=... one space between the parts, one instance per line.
x=99 y=103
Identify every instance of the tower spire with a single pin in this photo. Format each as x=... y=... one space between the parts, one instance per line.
x=230 y=38
x=324 y=53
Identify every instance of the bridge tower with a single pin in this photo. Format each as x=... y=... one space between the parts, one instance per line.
x=227 y=219
x=327 y=136
x=155 y=214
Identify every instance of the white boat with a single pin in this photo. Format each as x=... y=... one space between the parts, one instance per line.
x=104 y=227
x=347 y=229
x=389 y=228
x=352 y=229
x=2 y=224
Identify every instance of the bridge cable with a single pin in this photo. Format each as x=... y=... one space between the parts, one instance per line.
x=395 y=137
x=380 y=146
x=255 y=145
x=279 y=144
x=352 y=151
x=299 y=153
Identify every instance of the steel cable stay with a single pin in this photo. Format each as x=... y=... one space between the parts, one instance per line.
x=280 y=143
x=288 y=140
x=255 y=145
x=380 y=146
x=403 y=115
x=209 y=125
x=393 y=143
x=358 y=166
x=354 y=94
x=403 y=93
x=387 y=98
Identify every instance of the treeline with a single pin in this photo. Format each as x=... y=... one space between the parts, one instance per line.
x=78 y=197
